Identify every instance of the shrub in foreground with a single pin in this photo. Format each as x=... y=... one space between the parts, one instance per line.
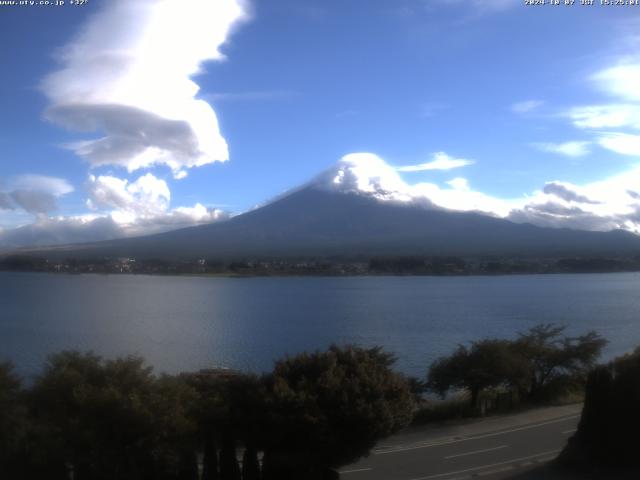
x=608 y=430
x=330 y=408
x=89 y=418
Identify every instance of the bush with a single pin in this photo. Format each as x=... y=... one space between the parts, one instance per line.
x=330 y=408
x=607 y=433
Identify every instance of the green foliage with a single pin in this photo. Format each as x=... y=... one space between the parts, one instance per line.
x=330 y=408
x=485 y=364
x=555 y=362
x=540 y=364
x=113 y=419
x=13 y=418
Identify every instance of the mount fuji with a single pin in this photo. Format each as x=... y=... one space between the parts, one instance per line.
x=360 y=208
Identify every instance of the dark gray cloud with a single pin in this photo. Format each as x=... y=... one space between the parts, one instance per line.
x=553 y=214
x=562 y=191
x=130 y=132
x=633 y=194
x=34 y=201
x=5 y=202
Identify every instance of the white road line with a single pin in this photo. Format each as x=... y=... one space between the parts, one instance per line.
x=483 y=467
x=567 y=432
x=476 y=451
x=341 y=472
x=477 y=437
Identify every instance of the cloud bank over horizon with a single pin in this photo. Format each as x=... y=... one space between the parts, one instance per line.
x=612 y=203
x=142 y=207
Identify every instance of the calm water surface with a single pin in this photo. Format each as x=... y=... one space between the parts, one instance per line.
x=187 y=323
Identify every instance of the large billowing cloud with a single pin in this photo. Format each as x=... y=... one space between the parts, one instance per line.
x=146 y=196
x=142 y=206
x=128 y=74
x=121 y=208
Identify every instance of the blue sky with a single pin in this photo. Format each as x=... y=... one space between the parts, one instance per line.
x=541 y=102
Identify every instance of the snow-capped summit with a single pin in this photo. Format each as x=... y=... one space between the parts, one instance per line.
x=364 y=173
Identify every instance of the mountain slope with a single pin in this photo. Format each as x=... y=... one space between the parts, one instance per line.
x=321 y=222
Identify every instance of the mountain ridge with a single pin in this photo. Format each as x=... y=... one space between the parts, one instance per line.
x=318 y=222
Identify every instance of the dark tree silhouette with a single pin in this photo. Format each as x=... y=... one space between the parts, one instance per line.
x=115 y=419
x=330 y=408
x=554 y=359
x=540 y=364
x=608 y=429
x=485 y=364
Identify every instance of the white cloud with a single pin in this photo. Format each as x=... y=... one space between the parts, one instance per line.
x=364 y=172
x=60 y=230
x=148 y=195
x=179 y=217
x=459 y=183
x=622 y=143
x=621 y=80
x=142 y=207
x=606 y=116
x=569 y=149
x=441 y=161
x=97 y=227
x=612 y=203
x=526 y=106
x=369 y=174
x=605 y=205
x=128 y=74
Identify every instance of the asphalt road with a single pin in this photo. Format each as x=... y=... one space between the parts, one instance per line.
x=495 y=448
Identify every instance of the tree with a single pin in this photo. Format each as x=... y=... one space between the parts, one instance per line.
x=539 y=364
x=114 y=419
x=230 y=413
x=485 y=364
x=553 y=359
x=330 y=408
x=13 y=421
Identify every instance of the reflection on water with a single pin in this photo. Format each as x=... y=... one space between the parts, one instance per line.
x=186 y=323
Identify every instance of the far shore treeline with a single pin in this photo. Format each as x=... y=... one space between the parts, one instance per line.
x=85 y=417
x=330 y=266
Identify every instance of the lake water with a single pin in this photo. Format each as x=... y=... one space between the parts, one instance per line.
x=188 y=323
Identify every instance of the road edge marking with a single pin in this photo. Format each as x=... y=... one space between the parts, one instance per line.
x=476 y=451
x=476 y=437
x=482 y=467
x=355 y=470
